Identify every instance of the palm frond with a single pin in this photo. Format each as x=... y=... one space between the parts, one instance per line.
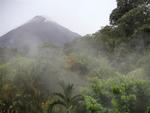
x=55 y=103
x=76 y=99
x=60 y=95
x=69 y=90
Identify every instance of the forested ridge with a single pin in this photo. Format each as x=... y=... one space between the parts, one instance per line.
x=104 y=72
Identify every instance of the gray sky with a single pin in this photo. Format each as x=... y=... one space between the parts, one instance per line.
x=81 y=16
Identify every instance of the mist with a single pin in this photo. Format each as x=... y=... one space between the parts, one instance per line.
x=47 y=66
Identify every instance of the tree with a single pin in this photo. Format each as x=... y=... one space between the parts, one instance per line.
x=129 y=25
x=124 y=6
x=66 y=99
x=93 y=106
x=121 y=94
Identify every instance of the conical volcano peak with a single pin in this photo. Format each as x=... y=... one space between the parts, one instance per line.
x=37 y=31
x=40 y=18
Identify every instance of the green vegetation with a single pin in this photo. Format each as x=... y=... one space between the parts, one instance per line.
x=67 y=100
x=109 y=71
x=123 y=94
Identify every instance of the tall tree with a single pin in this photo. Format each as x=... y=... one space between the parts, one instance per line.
x=66 y=99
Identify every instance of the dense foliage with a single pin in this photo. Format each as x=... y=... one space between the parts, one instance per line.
x=110 y=70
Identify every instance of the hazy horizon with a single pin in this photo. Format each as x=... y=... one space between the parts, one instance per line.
x=80 y=16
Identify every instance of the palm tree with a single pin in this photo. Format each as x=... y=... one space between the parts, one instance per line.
x=66 y=99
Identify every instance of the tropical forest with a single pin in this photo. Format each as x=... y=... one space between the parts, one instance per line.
x=104 y=72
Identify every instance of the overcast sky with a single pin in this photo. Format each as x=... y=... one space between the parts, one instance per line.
x=81 y=16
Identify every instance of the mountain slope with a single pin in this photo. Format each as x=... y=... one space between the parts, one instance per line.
x=37 y=31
